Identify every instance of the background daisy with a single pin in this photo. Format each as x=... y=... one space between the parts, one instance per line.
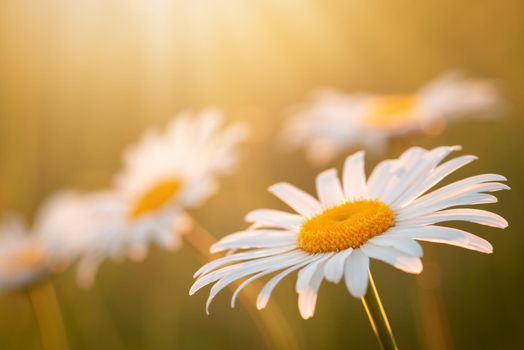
x=334 y=121
x=163 y=175
x=22 y=259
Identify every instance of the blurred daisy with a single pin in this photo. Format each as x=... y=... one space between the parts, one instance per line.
x=64 y=224
x=22 y=261
x=164 y=174
x=334 y=121
x=334 y=237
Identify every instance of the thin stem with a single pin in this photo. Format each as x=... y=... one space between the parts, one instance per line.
x=377 y=317
x=48 y=316
x=271 y=322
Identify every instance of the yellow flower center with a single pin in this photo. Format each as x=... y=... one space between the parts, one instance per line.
x=347 y=225
x=391 y=111
x=27 y=257
x=155 y=198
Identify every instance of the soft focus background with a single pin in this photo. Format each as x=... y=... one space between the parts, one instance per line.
x=80 y=80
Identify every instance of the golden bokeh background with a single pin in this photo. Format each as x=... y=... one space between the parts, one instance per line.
x=80 y=80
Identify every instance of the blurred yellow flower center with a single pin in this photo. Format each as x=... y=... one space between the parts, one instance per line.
x=155 y=198
x=391 y=111
x=348 y=225
x=27 y=257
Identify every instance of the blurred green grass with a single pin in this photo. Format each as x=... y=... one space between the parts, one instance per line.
x=81 y=80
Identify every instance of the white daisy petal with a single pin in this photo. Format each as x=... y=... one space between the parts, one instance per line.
x=305 y=275
x=261 y=241
x=239 y=270
x=275 y=264
x=251 y=279
x=447 y=235
x=274 y=218
x=297 y=199
x=477 y=216
x=329 y=189
x=379 y=178
x=470 y=199
x=137 y=251
x=452 y=192
x=398 y=259
x=86 y=271
x=437 y=175
x=420 y=171
x=356 y=273
x=254 y=233
x=334 y=267
x=307 y=297
x=410 y=165
x=354 y=178
x=404 y=245
x=263 y=297
x=240 y=257
x=194 y=194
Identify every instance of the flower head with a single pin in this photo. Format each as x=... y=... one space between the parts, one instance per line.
x=163 y=175
x=22 y=260
x=65 y=224
x=334 y=121
x=334 y=237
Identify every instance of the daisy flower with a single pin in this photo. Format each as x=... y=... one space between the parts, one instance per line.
x=64 y=224
x=352 y=221
x=334 y=121
x=163 y=175
x=22 y=261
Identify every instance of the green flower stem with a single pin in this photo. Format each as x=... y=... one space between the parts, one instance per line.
x=48 y=316
x=377 y=317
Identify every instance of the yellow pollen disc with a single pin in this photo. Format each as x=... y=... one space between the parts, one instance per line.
x=155 y=198
x=348 y=225
x=391 y=111
x=30 y=256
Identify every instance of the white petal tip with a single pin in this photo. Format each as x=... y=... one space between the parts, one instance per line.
x=356 y=155
x=357 y=293
x=327 y=172
x=306 y=316
x=418 y=270
x=193 y=290
x=261 y=303
x=215 y=248
x=276 y=186
x=331 y=279
x=249 y=217
x=486 y=250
